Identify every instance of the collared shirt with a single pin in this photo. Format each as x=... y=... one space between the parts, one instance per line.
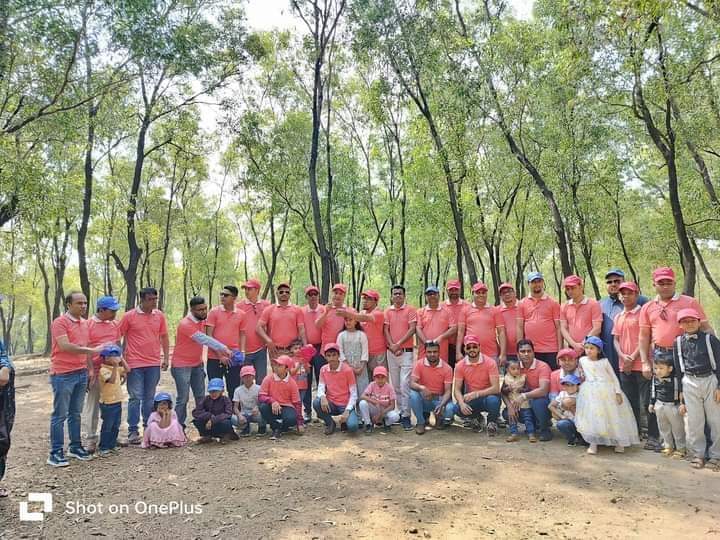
x=187 y=352
x=432 y=378
x=398 y=321
x=457 y=310
x=78 y=334
x=695 y=356
x=226 y=325
x=282 y=323
x=374 y=331
x=611 y=308
x=476 y=375
x=247 y=397
x=252 y=313
x=100 y=332
x=537 y=372
x=539 y=317
x=142 y=333
x=626 y=328
x=385 y=394
x=284 y=391
x=312 y=332
x=483 y=322
x=509 y=315
x=433 y=323
x=331 y=326
x=580 y=317
x=661 y=318
x=338 y=385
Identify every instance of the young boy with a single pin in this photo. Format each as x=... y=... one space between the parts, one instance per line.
x=377 y=403
x=665 y=403
x=246 y=405
x=279 y=399
x=696 y=356
x=568 y=360
x=302 y=356
x=563 y=408
x=212 y=415
x=111 y=398
x=513 y=385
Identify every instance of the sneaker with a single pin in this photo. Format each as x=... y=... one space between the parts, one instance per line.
x=204 y=440
x=79 y=453
x=105 y=453
x=245 y=432
x=420 y=429
x=652 y=445
x=231 y=436
x=545 y=436
x=592 y=449
x=307 y=419
x=386 y=429
x=275 y=435
x=57 y=459
x=572 y=444
x=262 y=430
x=492 y=429
x=501 y=422
x=406 y=423
x=330 y=429
x=134 y=438
x=90 y=447
x=369 y=429
x=343 y=427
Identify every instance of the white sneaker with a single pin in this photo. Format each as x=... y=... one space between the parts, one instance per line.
x=592 y=449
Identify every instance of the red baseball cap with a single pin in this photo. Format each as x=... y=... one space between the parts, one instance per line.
x=688 y=313
x=331 y=347
x=572 y=281
x=629 y=285
x=340 y=287
x=311 y=288
x=470 y=338
x=664 y=272
x=504 y=286
x=380 y=370
x=372 y=294
x=283 y=284
x=251 y=284
x=479 y=286
x=567 y=352
x=452 y=284
x=349 y=311
x=285 y=360
x=247 y=370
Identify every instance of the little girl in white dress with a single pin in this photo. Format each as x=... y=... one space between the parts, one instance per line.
x=603 y=414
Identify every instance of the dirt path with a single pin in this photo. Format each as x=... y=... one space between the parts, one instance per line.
x=453 y=484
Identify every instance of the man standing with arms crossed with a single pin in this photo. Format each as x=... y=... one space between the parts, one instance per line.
x=226 y=324
x=539 y=321
x=485 y=324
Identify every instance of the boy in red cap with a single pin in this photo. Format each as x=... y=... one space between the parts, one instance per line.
x=696 y=356
x=377 y=403
x=279 y=399
x=568 y=360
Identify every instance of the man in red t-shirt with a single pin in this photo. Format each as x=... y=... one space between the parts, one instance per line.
x=282 y=323
x=435 y=322
x=538 y=319
x=537 y=379
x=508 y=309
x=252 y=308
x=372 y=320
x=430 y=389
x=226 y=323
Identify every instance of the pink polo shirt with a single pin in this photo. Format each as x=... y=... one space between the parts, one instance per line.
x=580 y=317
x=384 y=394
x=332 y=326
x=142 y=333
x=539 y=317
x=510 y=315
x=627 y=329
x=252 y=313
x=100 y=332
x=476 y=375
x=284 y=391
x=432 y=378
x=666 y=329
x=374 y=332
x=337 y=383
x=434 y=322
x=282 y=323
x=187 y=353
x=398 y=321
x=77 y=333
x=312 y=332
x=226 y=327
x=537 y=372
x=483 y=322
x=456 y=310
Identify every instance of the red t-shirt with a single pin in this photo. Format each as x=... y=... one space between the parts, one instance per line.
x=456 y=310
x=284 y=391
x=665 y=328
x=331 y=327
x=102 y=332
x=476 y=375
x=627 y=329
x=77 y=332
x=374 y=332
x=252 y=313
x=510 y=315
x=282 y=323
x=142 y=333
x=432 y=378
x=483 y=323
x=580 y=317
x=398 y=321
x=337 y=383
x=538 y=371
x=539 y=317
x=226 y=326
x=312 y=332
x=188 y=353
x=434 y=322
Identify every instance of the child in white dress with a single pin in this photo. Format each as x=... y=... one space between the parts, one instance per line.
x=603 y=414
x=353 y=345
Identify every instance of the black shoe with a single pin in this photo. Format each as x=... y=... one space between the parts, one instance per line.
x=330 y=428
x=388 y=429
x=276 y=434
x=572 y=444
x=406 y=423
x=343 y=427
x=369 y=429
x=262 y=430
x=545 y=436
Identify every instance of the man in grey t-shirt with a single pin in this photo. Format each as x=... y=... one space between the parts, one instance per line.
x=245 y=403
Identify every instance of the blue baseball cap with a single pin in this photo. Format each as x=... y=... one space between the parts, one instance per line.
x=570 y=379
x=532 y=276
x=594 y=340
x=162 y=396
x=432 y=289
x=614 y=272
x=112 y=350
x=108 y=302
x=216 y=385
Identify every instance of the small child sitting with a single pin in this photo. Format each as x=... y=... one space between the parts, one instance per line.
x=377 y=403
x=563 y=408
x=111 y=397
x=246 y=405
x=212 y=415
x=163 y=429
x=513 y=385
x=665 y=403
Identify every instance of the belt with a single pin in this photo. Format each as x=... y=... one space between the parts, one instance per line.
x=663 y=349
x=703 y=374
x=408 y=349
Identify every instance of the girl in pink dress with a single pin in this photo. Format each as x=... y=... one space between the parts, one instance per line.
x=163 y=429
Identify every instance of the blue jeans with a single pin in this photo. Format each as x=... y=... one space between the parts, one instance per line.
x=216 y=430
x=141 y=385
x=68 y=400
x=567 y=428
x=420 y=406
x=306 y=398
x=540 y=413
x=526 y=417
x=111 y=415
x=352 y=421
x=185 y=379
x=258 y=360
x=284 y=421
x=249 y=419
x=490 y=404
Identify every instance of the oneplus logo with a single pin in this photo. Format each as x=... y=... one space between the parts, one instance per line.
x=44 y=498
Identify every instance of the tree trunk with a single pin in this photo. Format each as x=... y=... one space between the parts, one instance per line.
x=30 y=338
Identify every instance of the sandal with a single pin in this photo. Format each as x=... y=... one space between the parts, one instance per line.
x=697 y=463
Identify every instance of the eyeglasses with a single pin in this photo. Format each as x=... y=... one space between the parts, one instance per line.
x=283 y=292
x=225 y=294
x=613 y=281
x=313 y=294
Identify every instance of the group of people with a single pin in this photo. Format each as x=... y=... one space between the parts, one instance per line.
x=596 y=367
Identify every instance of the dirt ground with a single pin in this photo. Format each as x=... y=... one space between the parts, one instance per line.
x=451 y=484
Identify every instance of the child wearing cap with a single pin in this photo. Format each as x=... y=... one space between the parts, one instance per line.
x=568 y=360
x=665 y=404
x=246 y=406
x=111 y=398
x=696 y=355
x=603 y=414
x=377 y=402
x=353 y=343
x=302 y=355
x=563 y=407
x=279 y=398
x=512 y=386
x=164 y=429
x=212 y=415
